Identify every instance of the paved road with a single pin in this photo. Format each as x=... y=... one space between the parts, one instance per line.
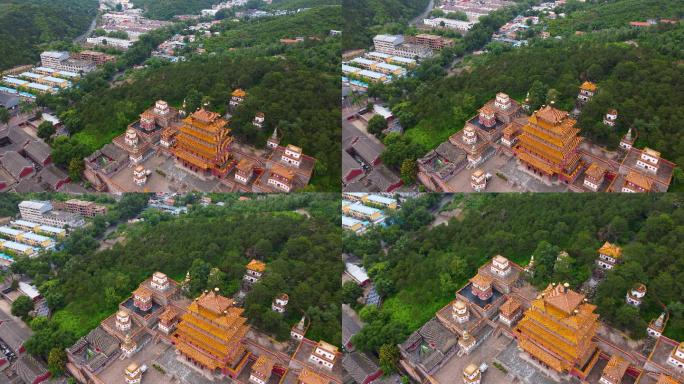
x=91 y=28
x=420 y=17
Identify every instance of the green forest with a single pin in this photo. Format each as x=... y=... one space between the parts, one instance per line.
x=297 y=87
x=167 y=9
x=28 y=24
x=365 y=18
x=297 y=236
x=421 y=267
x=637 y=72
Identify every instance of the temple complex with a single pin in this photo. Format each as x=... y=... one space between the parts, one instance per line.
x=614 y=371
x=636 y=294
x=548 y=145
x=280 y=303
x=196 y=341
x=195 y=152
x=478 y=180
x=123 y=334
x=557 y=331
x=203 y=144
x=609 y=255
x=237 y=97
x=209 y=335
x=547 y=337
x=657 y=326
x=254 y=270
x=587 y=91
x=502 y=140
x=482 y=131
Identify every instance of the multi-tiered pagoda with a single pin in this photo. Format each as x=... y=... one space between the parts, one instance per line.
x=548 y=145
x=209 y=335
x=557 y=331
x=203 y=143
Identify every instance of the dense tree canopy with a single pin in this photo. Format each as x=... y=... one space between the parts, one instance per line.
x=297 y=88
x=28 y=24
x=83 y=285
x=166 y=9
x=365 y=18
x=423 y=266
x=637 y=72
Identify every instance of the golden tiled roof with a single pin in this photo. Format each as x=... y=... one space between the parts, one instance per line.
x=294 y=148
x=651 y=152
x=611 y=250
x=588 y=86
x=487 y=110
x=562 y=298
x=239 y=93
x=509 y=307
x=196 y=355
x=595 y=171
x=665 y=379
x=481 y=280
x=263 y=366
x=132 y=367
x=256 y=265
x=327 y=346
x=470 y=369
x=214 y=302
x=308 y=376
x=639 y=180
x=615 y=369
x=168 y=315
x=551 y=115
x=142 y=292
x=541 y=354
x=283 y=172
x=245 y=165
x=204 y=115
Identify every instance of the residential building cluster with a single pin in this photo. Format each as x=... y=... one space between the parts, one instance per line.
x=361 y=210
x=26 y=164
x=513 y=32
x=167 y=144
x=58 y=71
x=472 y=9
x=203 y=340
x=41 y=225
x=169 y=49
x=131 y=22
x=533 y=336
x=393 y=56
x=362 y=167
x=545 y=145
x=211 y=12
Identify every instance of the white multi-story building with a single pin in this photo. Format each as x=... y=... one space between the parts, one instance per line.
x=110 y=42
x=387 y=43
x=649 y=160
x=324 y=355
x=676 y=358
x=53 y=59
x=41 y=212
x=441 y=22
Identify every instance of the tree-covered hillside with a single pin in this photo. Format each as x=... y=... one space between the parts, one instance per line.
x=301 y=249
x=607 y=14
x=423 y=267
x=296 y=86
x=26 y=24
x=167 y=9
x=638 y=73
x=364 y=18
